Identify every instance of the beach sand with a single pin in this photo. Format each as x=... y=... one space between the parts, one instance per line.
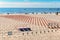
x=38 y=24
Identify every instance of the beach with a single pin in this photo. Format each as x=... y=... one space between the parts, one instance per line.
x=40 y=25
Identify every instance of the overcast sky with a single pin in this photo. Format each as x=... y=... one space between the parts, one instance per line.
x=30 y=3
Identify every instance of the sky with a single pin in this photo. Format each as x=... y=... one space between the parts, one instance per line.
x=30 y=3
x=29 y=0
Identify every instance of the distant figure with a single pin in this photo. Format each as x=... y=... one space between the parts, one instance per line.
x=50 y=12
x=36 y=12
x=56 y=13
x=45 y=12
x=26 y=13
x=8 y=13
x=32 y=12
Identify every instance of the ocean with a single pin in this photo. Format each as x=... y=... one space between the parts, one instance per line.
x=28 y=10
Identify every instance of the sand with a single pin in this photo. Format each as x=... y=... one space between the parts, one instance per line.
x=38 y=24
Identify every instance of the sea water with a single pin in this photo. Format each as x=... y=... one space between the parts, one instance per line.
x=28 y=10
